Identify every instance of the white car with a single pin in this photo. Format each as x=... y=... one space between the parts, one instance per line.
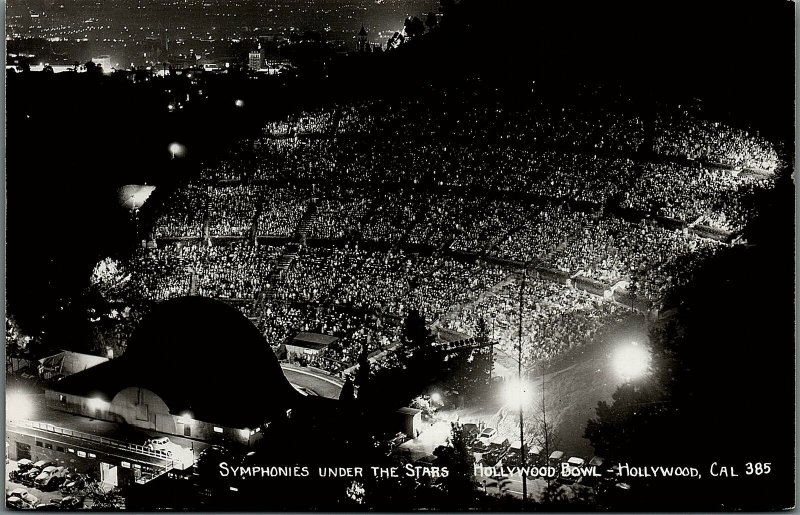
x=161 y=443
x=488 y=433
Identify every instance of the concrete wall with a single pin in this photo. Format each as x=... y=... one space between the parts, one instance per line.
x=142 y=408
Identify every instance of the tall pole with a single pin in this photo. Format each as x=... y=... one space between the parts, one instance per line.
x=544 y=420
x=519 y=377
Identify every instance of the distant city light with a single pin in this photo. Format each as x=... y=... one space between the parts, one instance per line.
x=631 y=361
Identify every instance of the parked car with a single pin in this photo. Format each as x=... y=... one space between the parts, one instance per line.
x=24 y=501
x=499 y=443
x=41 y=464
x=534 y=455
x=470 y=429
x=572 y=462
x=70 y=503
x=489 y=432
x=24 y=464
x=492 y=458
x=17 y=492
x=51 y=505
x=27 y=478
x=15 y=502
x=480 y=445
x=160 y=443
x=399 y=439
x=50 y=478
x=72 y=483
x=15 y=476
x=514 y=454
x=599 y=469
x=555 y=458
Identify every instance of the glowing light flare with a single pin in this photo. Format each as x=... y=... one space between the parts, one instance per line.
x=631 y=361
x=436 y=397
x=517 y=394
x=133 y=196
x=96 y=403
x=19 y=406
x=177 y=150
x=239 y=103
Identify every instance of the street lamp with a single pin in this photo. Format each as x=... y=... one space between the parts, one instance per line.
x=631 y=361
x=520 y=387
x=177 y=150
x=517 y=393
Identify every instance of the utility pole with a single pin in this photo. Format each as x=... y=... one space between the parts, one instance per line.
x=544 y=420
x=519 y=377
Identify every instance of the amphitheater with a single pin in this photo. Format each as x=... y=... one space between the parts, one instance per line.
x=340 y=220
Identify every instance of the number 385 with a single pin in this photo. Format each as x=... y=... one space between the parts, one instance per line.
x=758 y=469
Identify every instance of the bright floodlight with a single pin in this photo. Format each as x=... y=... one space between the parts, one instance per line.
x=517 y=393
x=96 y=403
x=133 y=196
x=177 y=150
x=631 y=361
x=18 y=406
x=436 y=397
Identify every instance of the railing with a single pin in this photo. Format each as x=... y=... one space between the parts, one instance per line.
x=146 y=478
x=164 y=455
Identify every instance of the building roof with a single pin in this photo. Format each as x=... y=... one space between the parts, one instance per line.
x=362 y=32
x=313 y=340
x=68 y=362
x=409 y=411
x=199 y=355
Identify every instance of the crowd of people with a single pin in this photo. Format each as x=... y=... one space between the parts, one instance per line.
x=433 y=206
x=305 y=123
x=555 y=317
x=695 y=138
x=689 y=193
x=233 y=271
x=183 y=213
x=456 y=115
x=610 y=250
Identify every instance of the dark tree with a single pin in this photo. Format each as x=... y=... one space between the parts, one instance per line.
x=362 y=373
x=92 y=68
x=721 y=353
x=482 y=329
x=459 y=486
x=431 y=21
x=413 y=27
x=416 y=336
x=348 y=393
